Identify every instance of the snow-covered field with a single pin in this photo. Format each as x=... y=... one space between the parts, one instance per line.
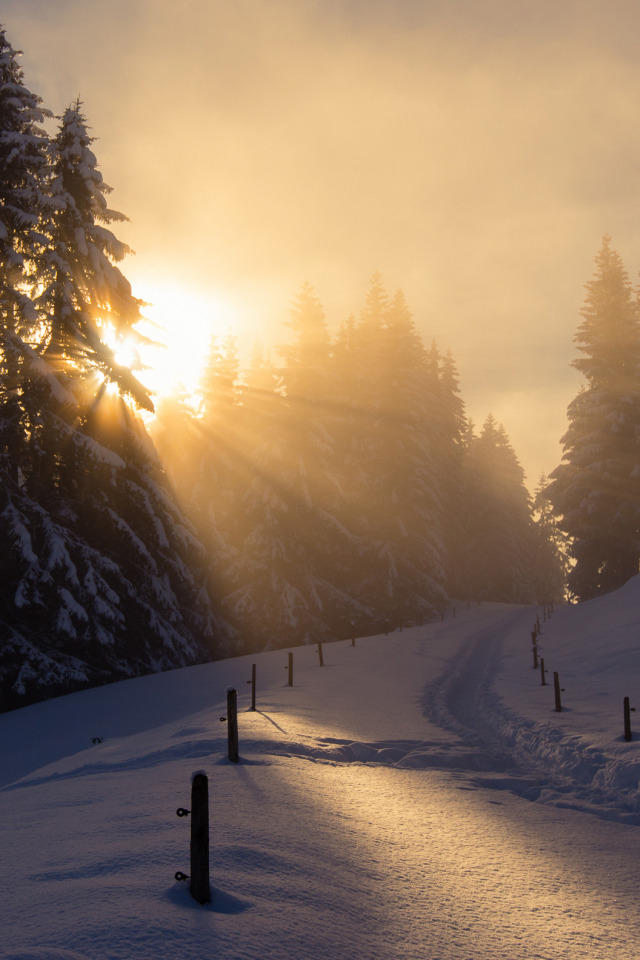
x=418 y=796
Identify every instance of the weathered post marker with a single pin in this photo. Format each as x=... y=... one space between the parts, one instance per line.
x=320 y=653
x=253 y=686
x=199 y=848
x=535 y=656
x=199 y=886
x=291 y=669
x=628 y=710
x=557 y=689
x=543 y=682
x=232 y=729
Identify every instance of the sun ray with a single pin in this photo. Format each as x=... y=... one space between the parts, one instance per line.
x=179 y=324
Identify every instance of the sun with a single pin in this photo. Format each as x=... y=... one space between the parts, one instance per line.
x=180 y=323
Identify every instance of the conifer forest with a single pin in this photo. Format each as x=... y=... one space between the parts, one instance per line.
x=331 y=487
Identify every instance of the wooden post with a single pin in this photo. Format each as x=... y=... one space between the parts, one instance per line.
x=556 y=690
x=253 y=686
x=199 y=886
x=535 y=656
x=320 y=653
x=232 y=720
x=542 y=673
x=628 y=710
x=290 y=669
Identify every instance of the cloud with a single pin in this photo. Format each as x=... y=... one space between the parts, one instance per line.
x=472 y=151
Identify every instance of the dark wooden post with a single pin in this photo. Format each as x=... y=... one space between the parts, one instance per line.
x=535 y=656
x=253 y=686
x=556 y=690
x=290 y=669
x=542 y=673
x=232 y=720
x=628 y=710
x=199 y=886
x=320 y=653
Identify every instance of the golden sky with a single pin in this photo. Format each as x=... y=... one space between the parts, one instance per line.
x=474 y=152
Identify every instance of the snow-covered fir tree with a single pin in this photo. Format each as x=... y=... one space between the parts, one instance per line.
x=101 y=575
x=449 y=427
x=595 y=491
x=551 y=566
x=407 y=484
x=89 y=301
x=499 y=542
x=292 y=568
x=25 y=210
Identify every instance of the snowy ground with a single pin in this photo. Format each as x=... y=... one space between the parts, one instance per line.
x=416 y=797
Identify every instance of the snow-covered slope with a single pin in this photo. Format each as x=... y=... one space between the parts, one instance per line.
x=381 y=807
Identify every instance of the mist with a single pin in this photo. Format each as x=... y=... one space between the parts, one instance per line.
x=472 y=152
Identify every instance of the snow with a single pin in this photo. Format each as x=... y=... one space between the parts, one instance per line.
x=417 y=797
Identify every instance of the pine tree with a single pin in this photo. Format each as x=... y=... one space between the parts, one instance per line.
x=25 y=210
x=595 y=492
x=90 y=303
x=450 y=425
x=101 y=576
x=409 y=501
x=267 y=605
x=498 y=527
x=213 y=463
x=550 y=558
x=292 y=568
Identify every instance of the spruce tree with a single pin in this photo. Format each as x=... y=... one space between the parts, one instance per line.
x=499 y=534
x=595 y=491
x=25 y=210
x=90 y=304
x=101 y=576
x=550 y=557
x=409 y=502
x=293 y=570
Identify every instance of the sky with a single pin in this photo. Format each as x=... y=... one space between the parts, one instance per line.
x=474 y=152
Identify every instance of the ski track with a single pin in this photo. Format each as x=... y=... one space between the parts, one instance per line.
x=495 y=747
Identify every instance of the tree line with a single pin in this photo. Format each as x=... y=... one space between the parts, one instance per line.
x=342 y=488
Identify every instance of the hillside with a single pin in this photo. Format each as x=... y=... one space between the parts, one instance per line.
x=415 y=797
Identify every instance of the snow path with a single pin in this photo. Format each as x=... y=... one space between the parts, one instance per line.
x=377 y=813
